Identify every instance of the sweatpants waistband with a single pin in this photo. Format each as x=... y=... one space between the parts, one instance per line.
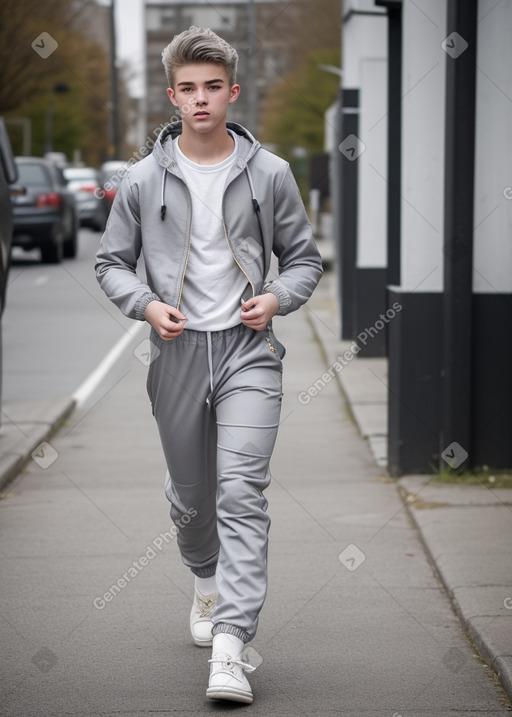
x=190 y=336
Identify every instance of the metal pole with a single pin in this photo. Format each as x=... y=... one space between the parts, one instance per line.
x=48 y=145
x=251 y=68
x=114 y=150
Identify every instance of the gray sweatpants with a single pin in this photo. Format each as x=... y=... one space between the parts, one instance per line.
x=216 y=397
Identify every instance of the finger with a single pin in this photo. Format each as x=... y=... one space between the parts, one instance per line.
x=174 y=330
x=176 y=316
x=254 y=312
x=255 y=324
x=248 y=305
x=170 y=335
x=173 y=323
x=171 y=327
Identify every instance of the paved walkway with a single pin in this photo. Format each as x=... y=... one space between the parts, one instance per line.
x=466 y=530
x=356 y=622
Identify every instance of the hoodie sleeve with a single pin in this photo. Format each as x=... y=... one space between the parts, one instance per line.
x=120 y=248
x=300 y=263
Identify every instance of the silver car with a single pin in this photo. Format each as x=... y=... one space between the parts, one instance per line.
x=92 y=206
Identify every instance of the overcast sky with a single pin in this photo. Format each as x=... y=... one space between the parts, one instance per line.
x=130 y=39
x=130 y=42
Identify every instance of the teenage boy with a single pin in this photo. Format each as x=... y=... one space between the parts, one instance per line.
x=208 y=208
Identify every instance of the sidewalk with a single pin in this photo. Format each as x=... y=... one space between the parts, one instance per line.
x=466 y=531
x=355 y=622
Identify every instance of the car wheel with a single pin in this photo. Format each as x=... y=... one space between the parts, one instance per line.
x=101 y=223
x=71 y=242
x=52 y=252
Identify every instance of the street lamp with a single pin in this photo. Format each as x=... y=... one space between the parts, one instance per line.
x=252 y=98
x=332 y=69
x=114 y=149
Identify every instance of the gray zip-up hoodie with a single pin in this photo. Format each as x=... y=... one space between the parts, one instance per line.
x=262 y=213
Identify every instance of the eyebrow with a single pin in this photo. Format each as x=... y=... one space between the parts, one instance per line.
x=208 y=82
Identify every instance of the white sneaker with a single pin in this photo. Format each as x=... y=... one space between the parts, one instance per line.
x=227 y=680
x=200 y=618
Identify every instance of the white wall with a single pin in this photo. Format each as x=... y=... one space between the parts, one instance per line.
x=423 y=120
x=372 y=199
x=365 y=68
x=493 y=169
x=360 y=33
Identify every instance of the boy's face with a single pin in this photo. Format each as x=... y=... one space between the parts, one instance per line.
x=202 y=93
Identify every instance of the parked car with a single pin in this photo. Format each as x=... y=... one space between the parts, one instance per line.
x=8 y=175
x=92 y=205
x=44 y=210
x=112 y=172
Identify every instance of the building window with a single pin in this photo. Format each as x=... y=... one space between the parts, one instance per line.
x=216 y=19
x=158 y=18
x=167 y=17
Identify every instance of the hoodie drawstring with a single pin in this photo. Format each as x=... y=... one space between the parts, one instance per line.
x=255 y=203
x=163 y=208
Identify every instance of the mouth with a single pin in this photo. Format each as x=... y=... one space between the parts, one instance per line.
x=201 y=114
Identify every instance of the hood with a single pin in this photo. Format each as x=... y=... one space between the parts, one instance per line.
x=163 y=150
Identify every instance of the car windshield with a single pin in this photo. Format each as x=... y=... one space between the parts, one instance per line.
x=32 y=175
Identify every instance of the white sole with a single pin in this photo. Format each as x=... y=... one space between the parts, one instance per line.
x=229 y=693
x=202 y=643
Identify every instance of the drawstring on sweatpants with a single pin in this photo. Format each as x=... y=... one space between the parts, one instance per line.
x=210 y=365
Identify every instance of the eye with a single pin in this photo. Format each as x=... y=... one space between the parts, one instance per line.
x=215 y=87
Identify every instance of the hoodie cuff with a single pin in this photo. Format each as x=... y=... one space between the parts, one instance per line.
x=142 y=303
x=282 y=295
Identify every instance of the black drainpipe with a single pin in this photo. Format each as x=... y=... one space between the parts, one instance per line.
x=456 y=418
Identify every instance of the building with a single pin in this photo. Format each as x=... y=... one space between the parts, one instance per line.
x=423 y=145
x=93 y=20
x=240 y=23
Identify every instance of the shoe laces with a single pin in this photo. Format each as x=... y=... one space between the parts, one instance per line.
x=206 y=603
x=230 y=662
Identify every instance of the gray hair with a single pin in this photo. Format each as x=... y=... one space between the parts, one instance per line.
x=198 y=44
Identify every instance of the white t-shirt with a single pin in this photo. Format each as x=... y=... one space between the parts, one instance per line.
x=214 y=283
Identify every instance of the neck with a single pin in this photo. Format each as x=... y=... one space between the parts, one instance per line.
x=209 y=148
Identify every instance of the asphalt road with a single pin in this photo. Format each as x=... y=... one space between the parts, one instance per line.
x=57 y=325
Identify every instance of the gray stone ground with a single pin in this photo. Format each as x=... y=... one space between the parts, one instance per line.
x=466 y=531
x=356 y=621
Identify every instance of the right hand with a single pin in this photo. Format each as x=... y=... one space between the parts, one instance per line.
x=157 y=314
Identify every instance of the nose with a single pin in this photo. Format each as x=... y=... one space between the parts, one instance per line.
x=201 y=97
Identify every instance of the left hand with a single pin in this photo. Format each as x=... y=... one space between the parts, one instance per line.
x=258 y=311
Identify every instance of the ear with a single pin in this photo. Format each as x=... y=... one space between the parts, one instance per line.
x=234 y=93
x=171 y=95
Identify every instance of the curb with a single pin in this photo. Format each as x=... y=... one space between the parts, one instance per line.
x=499 y=663
x=27 y=424
x=20 y=436
x=362 y=382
